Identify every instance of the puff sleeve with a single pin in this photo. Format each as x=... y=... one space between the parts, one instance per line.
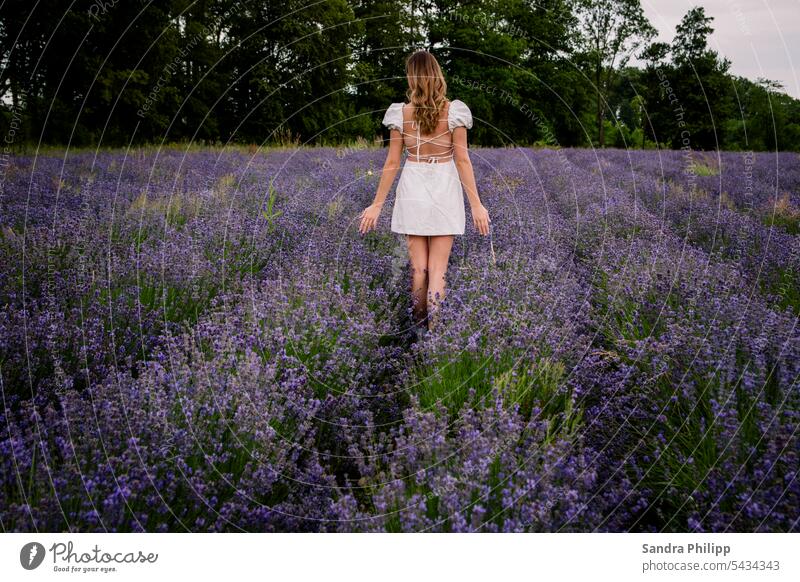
x=393 y=119
x=459 y=114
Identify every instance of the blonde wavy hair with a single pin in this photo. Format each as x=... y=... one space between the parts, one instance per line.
x=426 y=89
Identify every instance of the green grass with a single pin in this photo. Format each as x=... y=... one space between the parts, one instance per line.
x=694 y=447
x=177 y=304
x=538 y=386
x=786 y=288
x=270 y=213
x=789 y=222
x=472 y=380
x=699 y=169
x=626 y=320
x=535 y=386
x=449 y=383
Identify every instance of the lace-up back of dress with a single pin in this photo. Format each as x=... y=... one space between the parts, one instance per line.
x=431 y=147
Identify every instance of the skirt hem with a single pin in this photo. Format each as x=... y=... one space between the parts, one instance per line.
x=430 y=233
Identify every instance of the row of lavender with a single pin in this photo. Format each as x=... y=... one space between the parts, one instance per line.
x=202 y=342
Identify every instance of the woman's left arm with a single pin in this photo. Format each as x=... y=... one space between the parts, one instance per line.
x=369 y=217
x=480 y=216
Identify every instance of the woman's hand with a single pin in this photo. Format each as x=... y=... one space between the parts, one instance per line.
x=480 y=217
x=369 y=218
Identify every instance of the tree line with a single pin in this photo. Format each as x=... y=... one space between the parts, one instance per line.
x=555 y=72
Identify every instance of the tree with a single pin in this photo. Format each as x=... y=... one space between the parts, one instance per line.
x=700 y=82
x=507 y=59
x=118 y=73
x=289 y=67
x=610 y=32
x=380 y=50
x=691 y=36
x=767 y=119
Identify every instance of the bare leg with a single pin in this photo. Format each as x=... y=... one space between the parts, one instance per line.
x=418 y=255
x=439 y=248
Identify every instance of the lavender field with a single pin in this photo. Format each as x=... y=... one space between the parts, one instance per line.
x=202 y=342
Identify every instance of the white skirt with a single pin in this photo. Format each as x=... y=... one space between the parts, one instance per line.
x=429 y=200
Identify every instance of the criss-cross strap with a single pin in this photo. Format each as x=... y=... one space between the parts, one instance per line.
x=430 y=158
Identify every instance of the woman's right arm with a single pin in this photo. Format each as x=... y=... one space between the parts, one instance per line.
x=369 y=217
x=480 y=216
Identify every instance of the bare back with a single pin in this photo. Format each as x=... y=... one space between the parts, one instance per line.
x=440 y=143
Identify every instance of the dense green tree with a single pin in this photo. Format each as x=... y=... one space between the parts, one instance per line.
x=627 y=106
x=289 y=69
x=390 y=33
x=532 y=71
x=88 y=69
x=702 y=79
x=765 y=118
x=502 y=56
x=610 y=33
x=691 y=36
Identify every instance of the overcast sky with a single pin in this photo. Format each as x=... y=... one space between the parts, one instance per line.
x=760 y=37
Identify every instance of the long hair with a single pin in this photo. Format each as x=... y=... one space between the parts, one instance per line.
x=427 y=89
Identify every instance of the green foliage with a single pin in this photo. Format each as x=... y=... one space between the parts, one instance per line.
x=689 y=98
x=294 y=73
x=176 y=303
x=691 y=35
x=537 y=386
x=609 y=34
x=699 y=169
x=270 y=214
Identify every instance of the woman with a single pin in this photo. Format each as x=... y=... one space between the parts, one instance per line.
x=429 y=206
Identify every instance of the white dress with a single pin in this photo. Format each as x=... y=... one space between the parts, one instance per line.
x=430 y=198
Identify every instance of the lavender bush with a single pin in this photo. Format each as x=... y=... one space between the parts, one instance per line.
x=202 y=342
